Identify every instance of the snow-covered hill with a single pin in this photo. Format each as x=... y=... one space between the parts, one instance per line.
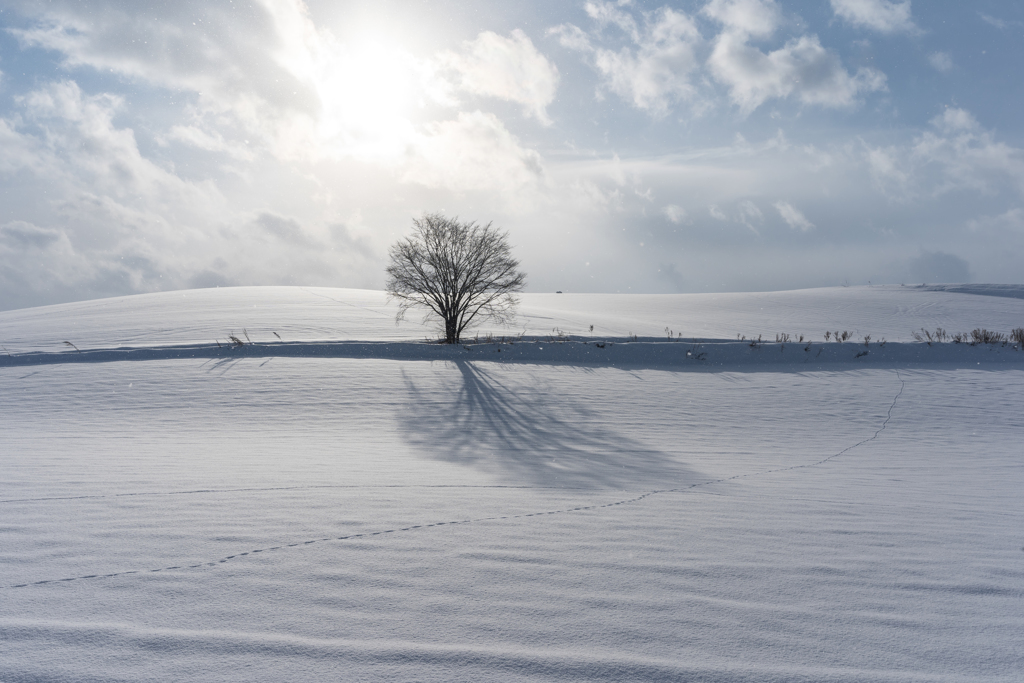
x=286 y=516
x=203 y=316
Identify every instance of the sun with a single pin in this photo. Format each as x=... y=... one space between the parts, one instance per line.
x=368 y=92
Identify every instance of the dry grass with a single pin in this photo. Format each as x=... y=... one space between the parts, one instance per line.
x=983 y=336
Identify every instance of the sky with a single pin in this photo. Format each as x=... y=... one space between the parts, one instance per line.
x=626 y=146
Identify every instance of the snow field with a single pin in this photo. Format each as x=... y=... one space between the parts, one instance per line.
x=746 y=558
x=268 y=517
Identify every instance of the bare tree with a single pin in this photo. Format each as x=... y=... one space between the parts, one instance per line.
x=461 y=272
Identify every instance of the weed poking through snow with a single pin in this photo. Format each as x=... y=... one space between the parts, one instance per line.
x=939 y=336
x=983 y=336
x=1016 y=336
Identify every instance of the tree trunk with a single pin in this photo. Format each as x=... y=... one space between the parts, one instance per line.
x=451 y=330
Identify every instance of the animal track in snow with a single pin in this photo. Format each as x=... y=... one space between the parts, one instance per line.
x=290 y=488
x=371 y=534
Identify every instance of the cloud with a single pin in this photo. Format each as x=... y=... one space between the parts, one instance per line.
x=253 y=65
x=1011 y=220
x=606 y=13
x=674 y=213
x=98 y=218
x=887 y=168
x=956 y=155
x=473 y=152
x=24 y=234
x=210 y=141
x=966 y=156
x=660 y=65
x=82 y=145
x=884 y=16
x=802 y=67
x=507 y=68
x=653 y=72
x=717 y=213
x=671 y=274
x=37 y=263
x=749 y=18
x=1001 y=24
x=285 y=229
x=941 y=61
x=793 y=216
x=572 y=37
x=937 y=266
x=268 y=81
x=748 y=214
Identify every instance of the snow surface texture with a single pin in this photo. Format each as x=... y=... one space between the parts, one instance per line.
x=283 y=517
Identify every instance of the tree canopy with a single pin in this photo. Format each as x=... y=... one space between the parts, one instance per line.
x=463 y=273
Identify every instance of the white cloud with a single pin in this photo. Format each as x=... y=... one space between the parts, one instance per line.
x=756 y=18
x=473 y=152
x=793 y=216
x=270 y=81
x=954 y=119
x=717 y=213
x=802 y=67
x=967 y=156
x=507 y=68
x=210 y=141
x=35 y=260
x=993 y=21
x=82 y=142
x=941 y=61
x=99 y=218
x=241 y=64
x=1001 y=24
x=606 y=13
x=1011 y=219
x=748 y=214
x=572 y=37
x=674 y=213
x=25 y=234
x=658 y=68
x=956 y=155
x=885 y=166
x=884 y=16
x=655 y=71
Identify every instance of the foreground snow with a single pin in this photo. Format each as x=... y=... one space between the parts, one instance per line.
x=365 y=518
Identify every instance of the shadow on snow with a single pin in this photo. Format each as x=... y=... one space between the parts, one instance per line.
x=531 y=436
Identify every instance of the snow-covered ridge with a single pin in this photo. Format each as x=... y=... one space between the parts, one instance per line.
x=306 y=314
x=1011 y=291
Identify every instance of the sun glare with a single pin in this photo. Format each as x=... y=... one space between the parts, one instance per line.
x=367 y=91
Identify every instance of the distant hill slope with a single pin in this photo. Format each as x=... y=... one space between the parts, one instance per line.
x=1011 y=291
x=291 y=314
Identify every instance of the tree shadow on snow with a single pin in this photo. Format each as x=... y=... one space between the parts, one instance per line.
x=528 y=436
